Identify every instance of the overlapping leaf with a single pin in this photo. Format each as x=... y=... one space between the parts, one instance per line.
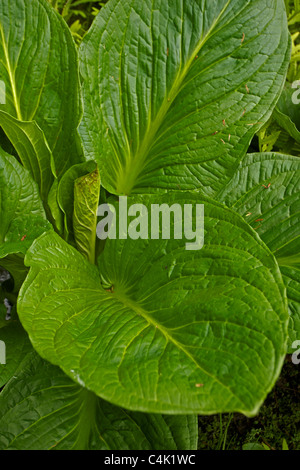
x=42 y=408
x=33 y=151
x=166 y=329
x=23 y=219
x=38 y=64
x=265 y=191
x=174 y=91
x=21 y=210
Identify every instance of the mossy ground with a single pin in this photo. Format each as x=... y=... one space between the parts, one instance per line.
x=278 y=419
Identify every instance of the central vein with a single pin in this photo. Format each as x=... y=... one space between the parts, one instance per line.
x=136 y=163
x=11 y=75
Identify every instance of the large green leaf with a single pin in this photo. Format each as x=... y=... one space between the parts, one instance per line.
x=265 y=191
x=174 y=91
x=160 y=328
x=38 y=63
x=22 y=214
x=42 y=408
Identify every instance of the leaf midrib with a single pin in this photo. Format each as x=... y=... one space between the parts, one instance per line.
x=11 y=75
x=140 y=311
x=128 y=177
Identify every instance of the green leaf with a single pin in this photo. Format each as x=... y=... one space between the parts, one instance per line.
x=253 y=446
x=65 y=194
x=17 y=346
x=284 y=443
x=43 y=409
x=86 y=202
x=57 y=215
x=21 y=210
x=159 y=328
x=265 y=191
x=39 y=66
x=173 y=95
x=33 y=150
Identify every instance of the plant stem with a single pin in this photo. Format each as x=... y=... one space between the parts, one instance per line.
x=226 y=430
